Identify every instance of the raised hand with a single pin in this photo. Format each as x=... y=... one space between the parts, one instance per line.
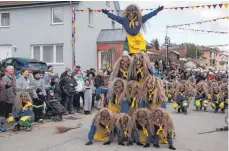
x=160 y=8
x=104 y=11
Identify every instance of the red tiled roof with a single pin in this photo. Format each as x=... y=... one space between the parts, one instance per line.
x=180 y=51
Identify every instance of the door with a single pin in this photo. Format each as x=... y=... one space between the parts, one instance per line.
x=5 y=52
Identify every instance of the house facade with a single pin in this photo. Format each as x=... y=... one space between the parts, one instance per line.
x=43 y=31
x=212 y=58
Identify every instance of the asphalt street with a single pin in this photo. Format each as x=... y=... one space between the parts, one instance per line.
x=42 y=137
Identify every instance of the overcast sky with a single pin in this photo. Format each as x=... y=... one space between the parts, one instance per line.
x=156 y=26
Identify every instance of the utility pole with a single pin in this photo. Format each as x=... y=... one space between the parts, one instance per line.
x=167 y=43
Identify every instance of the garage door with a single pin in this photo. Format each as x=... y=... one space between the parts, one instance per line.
x=5 y=52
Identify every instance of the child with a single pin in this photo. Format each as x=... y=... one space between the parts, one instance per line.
x=38 y=105
x=88 y=91
x=22 y=112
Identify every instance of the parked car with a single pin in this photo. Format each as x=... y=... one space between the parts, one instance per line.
x=25 y=63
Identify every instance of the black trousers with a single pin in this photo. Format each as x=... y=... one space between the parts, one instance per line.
x=68 y=103
x=5 y=109
x=38 y=112
x=76 y=100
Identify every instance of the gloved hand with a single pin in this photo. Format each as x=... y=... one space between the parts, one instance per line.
x=160 y=8
x=89 y=143
x=104 y=11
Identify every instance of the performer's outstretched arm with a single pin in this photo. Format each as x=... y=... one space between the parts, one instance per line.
x=151 y=14
x=113 y=16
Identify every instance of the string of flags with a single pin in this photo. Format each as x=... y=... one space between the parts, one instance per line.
x=208 y=31
x=223 y=45
x=201 y=22
x=221 y=6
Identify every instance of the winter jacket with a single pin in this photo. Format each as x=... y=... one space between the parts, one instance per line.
x=10 y=90
x=38 y=84
x=47 y=77
x=69 y=85
x=99 y=81
x=23 y=84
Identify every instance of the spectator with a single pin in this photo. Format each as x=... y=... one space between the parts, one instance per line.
x=23 y=84
x=106 y=78
x=99 y=80
x=38 y=102
x=65 y=72
x=55 y=86
x=3 y=95
x=10 y=88
x=88 y=93
x=68 y=85
x=109 y=70
x=47 y=77
x=37 y=82
x=79 y=90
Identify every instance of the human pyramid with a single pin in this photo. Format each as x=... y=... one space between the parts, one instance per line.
x=135 y=98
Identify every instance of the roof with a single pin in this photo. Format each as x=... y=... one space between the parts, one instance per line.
x=111 y=35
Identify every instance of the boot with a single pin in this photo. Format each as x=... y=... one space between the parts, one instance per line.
x=78 y=110
x=156 y=146
x=172 y=147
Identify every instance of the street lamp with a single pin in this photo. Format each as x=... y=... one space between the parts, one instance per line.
x=167 y=43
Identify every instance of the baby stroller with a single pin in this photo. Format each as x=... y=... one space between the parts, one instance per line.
x=54 y=110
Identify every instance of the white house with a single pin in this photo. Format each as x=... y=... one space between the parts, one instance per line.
x=43 y=31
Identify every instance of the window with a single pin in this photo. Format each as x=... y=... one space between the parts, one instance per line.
x=108 y=3
x=4 y=19
x=113 y=24
x=57 y=15
x=105 y=59
x=52 y=54
x=90 y=21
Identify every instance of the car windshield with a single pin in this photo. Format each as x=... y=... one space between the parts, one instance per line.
x=37 y=65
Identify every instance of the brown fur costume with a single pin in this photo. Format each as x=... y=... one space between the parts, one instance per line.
x=124 y=125
x=134 y=93
x=204 y=87
x=140 y=59
x=160 y=117
x=153 y=85
x=143 y=122
x=98 y=120
x=21 y=97
x=118 y=68
x=111 y=89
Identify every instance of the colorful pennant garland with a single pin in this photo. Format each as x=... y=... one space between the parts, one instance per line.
x=224 y=5
x=223 y=45
x=176 y=26
x=208 y=31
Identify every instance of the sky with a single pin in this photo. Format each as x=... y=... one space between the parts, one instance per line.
x=156 y=26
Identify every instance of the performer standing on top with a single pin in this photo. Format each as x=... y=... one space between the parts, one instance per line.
x=132 y=21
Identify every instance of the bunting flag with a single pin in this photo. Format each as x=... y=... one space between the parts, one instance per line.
x=214 y=6
x=208 y=31
x=201 y=22
x=223 y=45
x=73 y=36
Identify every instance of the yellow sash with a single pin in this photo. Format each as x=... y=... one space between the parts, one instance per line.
x=101 y=134
x=134 y=103
x=124 y=73
x=136 y=43
x=114 y=107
